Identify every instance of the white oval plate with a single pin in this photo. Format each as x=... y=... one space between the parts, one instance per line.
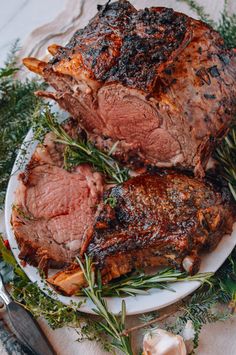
x=156 y=299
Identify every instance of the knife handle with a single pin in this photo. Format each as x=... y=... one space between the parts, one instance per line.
x=28 y=330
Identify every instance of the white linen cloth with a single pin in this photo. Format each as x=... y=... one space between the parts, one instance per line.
x=18 y=17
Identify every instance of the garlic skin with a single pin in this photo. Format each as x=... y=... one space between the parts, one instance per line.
x=161 y=342
x=188 y=335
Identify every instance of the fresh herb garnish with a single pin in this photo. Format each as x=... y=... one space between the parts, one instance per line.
x=200 y=309
x=139 y=283
x=22 y=213
x=226 y=155
x=81 y=151
x=111 y=324
x=227 y=28
x=40 y=305
x=111 y=200
x=17 y=103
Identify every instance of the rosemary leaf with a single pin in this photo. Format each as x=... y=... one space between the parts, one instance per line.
x=140 y=283
x=225 y=154
x=113 y=325
x=82 y=151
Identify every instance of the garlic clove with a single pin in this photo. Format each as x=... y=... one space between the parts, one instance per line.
x=188 y=336
x=161 y=342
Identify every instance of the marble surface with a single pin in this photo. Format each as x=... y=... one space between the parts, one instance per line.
x=38 y=23
x=18 y=18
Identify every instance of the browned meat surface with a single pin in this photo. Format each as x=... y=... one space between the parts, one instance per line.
x=158 y=219
x=53 y=208
x=158 y=82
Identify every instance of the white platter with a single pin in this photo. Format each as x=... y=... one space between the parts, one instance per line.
x=156 y=299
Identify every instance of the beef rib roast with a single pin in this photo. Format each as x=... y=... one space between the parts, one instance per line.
x=159 y=88
x=159 y=84
x=156 y=219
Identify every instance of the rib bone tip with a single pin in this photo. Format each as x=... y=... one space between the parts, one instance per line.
x=35 y=65
x=53 y=49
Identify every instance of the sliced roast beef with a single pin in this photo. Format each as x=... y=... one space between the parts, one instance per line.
x=157 y=219
x=53 y=208
x=156 y=82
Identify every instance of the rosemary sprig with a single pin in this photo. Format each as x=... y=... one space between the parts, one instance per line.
x=225 y=282
x=226 y=155
x=112 y=325
x=139 y=283
x=81 y=151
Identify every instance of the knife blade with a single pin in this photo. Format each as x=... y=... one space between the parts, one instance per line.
x=25 y=326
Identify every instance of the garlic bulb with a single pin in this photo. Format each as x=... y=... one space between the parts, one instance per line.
x=161 y=342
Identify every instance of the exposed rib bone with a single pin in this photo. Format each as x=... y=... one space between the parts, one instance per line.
x=191 y=264
x=68 y=281
x=34 y=65
x=54 y=48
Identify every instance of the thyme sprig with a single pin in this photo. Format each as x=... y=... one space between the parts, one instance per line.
x=112 y=324
x=81 y=151
x=17 y=103
x=29 y=294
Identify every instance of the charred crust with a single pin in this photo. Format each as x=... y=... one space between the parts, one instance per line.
x=140 y=40
x=190 y=211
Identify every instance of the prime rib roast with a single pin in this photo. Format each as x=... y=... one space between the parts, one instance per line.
x=161 y=87
x=163 y=218
x=158 y=83
x=53 y=208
